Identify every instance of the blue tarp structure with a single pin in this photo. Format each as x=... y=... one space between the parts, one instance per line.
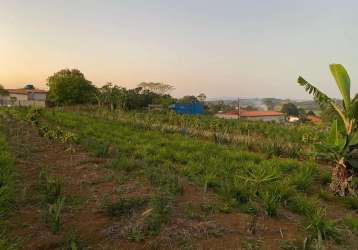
x=188 y=108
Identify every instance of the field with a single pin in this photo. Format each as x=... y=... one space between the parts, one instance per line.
x=80 y=178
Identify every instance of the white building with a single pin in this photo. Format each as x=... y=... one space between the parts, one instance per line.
x=24 y=97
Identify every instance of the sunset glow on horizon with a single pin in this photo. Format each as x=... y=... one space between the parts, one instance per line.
x=221 y=48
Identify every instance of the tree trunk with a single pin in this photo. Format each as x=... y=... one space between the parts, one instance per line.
x=341 y=179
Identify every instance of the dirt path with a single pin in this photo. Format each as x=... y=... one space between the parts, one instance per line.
x=88 y=182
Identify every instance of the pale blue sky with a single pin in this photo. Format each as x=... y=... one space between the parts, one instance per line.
x=251 y=48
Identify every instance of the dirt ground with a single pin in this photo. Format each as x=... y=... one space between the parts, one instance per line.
x=89 y=181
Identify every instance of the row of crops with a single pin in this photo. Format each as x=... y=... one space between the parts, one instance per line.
x=6 y=185
x=251 y=182
x=273 y=139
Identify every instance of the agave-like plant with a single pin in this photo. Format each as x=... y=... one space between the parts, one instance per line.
x=341 y=146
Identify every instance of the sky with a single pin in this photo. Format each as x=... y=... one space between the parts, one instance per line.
x=246 y=48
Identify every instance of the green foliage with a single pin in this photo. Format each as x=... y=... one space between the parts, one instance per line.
x=114 y=97
x=188 y=99
x=125 y=206
x=342 y=142
x=6 y=176
x=161 y=205
x=320 y=228
x=50 y=187
x=69 y=87
x=3 y=91
x=54 y=214
x=290 y=109
x=351 y=201
x=352 y=224
x=271 y=201
x=304 y=177
x=301 y=204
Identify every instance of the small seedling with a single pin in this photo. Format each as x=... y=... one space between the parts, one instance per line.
x=54 y=214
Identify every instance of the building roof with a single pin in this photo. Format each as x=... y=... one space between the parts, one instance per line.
x=254 y=113
x=314 y=118
x=26 y=91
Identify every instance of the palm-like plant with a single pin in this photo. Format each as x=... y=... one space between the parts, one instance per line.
x=341 y=145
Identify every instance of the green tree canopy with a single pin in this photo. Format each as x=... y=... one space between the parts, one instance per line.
x=290 y=109
x=3 y=91
x=68 y=87
x=188 y=99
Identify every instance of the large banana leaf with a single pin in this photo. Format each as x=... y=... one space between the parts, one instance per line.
x=335 y=138
x=354 y=139
x=324 y=100
x=343 y=82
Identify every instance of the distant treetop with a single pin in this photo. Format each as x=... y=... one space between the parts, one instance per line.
x=157 y=87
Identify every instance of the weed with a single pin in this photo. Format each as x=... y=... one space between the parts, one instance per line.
x=190 y=212
x=135 y=233
x=320 y=228
x=49 y=186
x=73 y=242
x=128 y=164
x=325 y=195
x=125 y=206
x=54 y=214
x=165 y=180
x=160 y=213
x=325 y=177
x=301 y=204
x=271 y=201
x=352 y=224
x=289 y=245
x=304 y=177
x=351 y=201
x=250 y=245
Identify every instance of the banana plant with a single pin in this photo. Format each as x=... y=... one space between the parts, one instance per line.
x=341 y=146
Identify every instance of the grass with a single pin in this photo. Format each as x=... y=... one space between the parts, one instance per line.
x=351 y=202
x=351 y=223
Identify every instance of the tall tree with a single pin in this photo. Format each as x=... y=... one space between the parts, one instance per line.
x=290 y=109
x=341 y=145
x=68 y=87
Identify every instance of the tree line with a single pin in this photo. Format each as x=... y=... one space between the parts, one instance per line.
x=70 y=87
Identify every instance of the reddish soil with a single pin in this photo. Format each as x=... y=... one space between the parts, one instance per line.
x=88 y=182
